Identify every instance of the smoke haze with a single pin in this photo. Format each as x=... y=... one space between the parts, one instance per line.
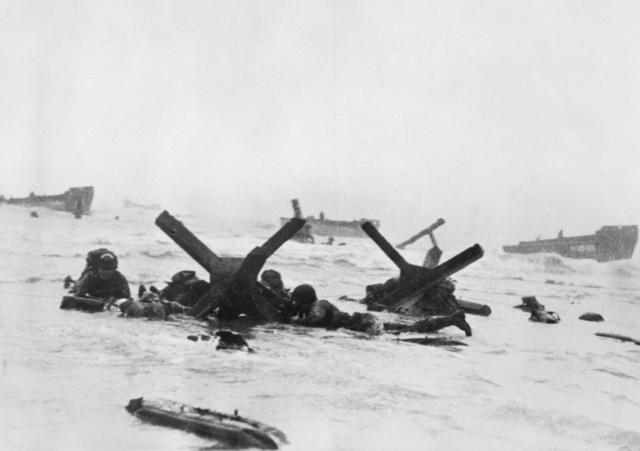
x=508 y=120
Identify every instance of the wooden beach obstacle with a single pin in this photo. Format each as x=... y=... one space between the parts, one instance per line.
x=414 y=281
x=432 y=258
x=304 y=234
x=234 y=287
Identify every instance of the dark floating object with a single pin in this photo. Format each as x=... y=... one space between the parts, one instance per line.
x=607 y=244
x=542 y=316
x=233 y=341
x=328 y=227
x=82 y=304
x=538 y=313
x=474 y=308
x=226 y=340
x=438 y=341
x=590 y=316
x=230 y=430
x=34 y=214
x=74 y=200
x=530 y=303
x=618 y=337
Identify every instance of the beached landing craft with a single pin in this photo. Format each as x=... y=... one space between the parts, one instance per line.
x=328 y=227
x=74 y=200
x=607 y=244
x=232 y=431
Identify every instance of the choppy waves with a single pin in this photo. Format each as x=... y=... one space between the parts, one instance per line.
x=518 y=385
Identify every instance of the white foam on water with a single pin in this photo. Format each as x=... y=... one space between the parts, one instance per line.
x=66 y=375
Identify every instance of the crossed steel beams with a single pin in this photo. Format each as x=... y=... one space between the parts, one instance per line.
x=415 y=280
x=234 y=286
x=235 y=289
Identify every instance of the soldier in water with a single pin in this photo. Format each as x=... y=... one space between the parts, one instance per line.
x=309 y=311
x=273 y=280
x=104 y=281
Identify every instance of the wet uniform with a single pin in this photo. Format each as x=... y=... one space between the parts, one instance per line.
x=91 y=284
x=325 y=314
x=437 y=300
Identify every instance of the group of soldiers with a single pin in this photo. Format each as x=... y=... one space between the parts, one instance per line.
x=102 y=280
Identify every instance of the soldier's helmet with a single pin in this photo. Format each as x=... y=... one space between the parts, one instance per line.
x=304 y=295
x=108 y=261
x=270 y=274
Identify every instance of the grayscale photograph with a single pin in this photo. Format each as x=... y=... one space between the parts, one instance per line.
x=319 y=225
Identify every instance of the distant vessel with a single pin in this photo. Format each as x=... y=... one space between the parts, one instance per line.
x=74 y=200
x=329 y=227
x=130 y=204
x=607 y=244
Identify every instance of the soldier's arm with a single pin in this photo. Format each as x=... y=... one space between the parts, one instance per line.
x=82 y=286
x=315 y=317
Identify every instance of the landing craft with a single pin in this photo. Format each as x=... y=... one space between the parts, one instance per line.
x=74 y=200
x=607 y=244
x=329 y=227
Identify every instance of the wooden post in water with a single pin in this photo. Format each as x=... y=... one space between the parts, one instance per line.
x=297 y=213
x=432 y=258
x=304 y=235
x=234 y=286
x=428 y=231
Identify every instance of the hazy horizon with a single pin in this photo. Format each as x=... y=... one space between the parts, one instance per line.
x=508 y=120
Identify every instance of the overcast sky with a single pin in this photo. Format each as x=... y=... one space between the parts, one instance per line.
x=507 y=119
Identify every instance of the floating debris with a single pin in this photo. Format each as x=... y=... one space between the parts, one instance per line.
x=230 y=430
x=618 y=337
x=225 y=340
x=590 y=316
x=437 y=341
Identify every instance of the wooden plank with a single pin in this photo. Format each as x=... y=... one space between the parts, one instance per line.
x=428 y=231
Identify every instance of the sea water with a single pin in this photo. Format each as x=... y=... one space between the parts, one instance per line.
x=65 y=376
